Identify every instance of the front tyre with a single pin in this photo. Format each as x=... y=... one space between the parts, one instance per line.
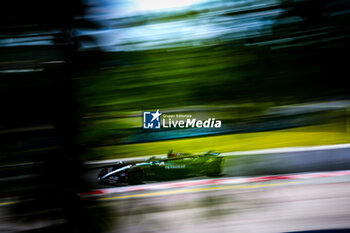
x=103 y=172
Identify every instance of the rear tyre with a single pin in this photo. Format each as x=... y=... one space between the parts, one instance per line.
x=214 y=169
x=136 y=175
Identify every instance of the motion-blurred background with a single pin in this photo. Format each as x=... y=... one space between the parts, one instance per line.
x=75 y=77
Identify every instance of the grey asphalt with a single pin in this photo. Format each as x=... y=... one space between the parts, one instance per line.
x=298 y=205
x=317 y=204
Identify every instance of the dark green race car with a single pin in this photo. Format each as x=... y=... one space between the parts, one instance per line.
x=175 y=166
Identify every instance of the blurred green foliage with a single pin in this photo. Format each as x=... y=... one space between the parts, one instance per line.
x=246 y=56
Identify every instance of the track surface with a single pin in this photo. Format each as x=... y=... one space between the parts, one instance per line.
x=289 y=203
x=270 y=206
x=310 y=202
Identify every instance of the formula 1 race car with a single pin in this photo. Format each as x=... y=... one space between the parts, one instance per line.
x=174 y=166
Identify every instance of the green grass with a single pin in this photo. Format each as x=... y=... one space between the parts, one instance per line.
x=302 y=136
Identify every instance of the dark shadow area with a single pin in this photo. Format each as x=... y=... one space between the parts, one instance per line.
x=41 y=160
